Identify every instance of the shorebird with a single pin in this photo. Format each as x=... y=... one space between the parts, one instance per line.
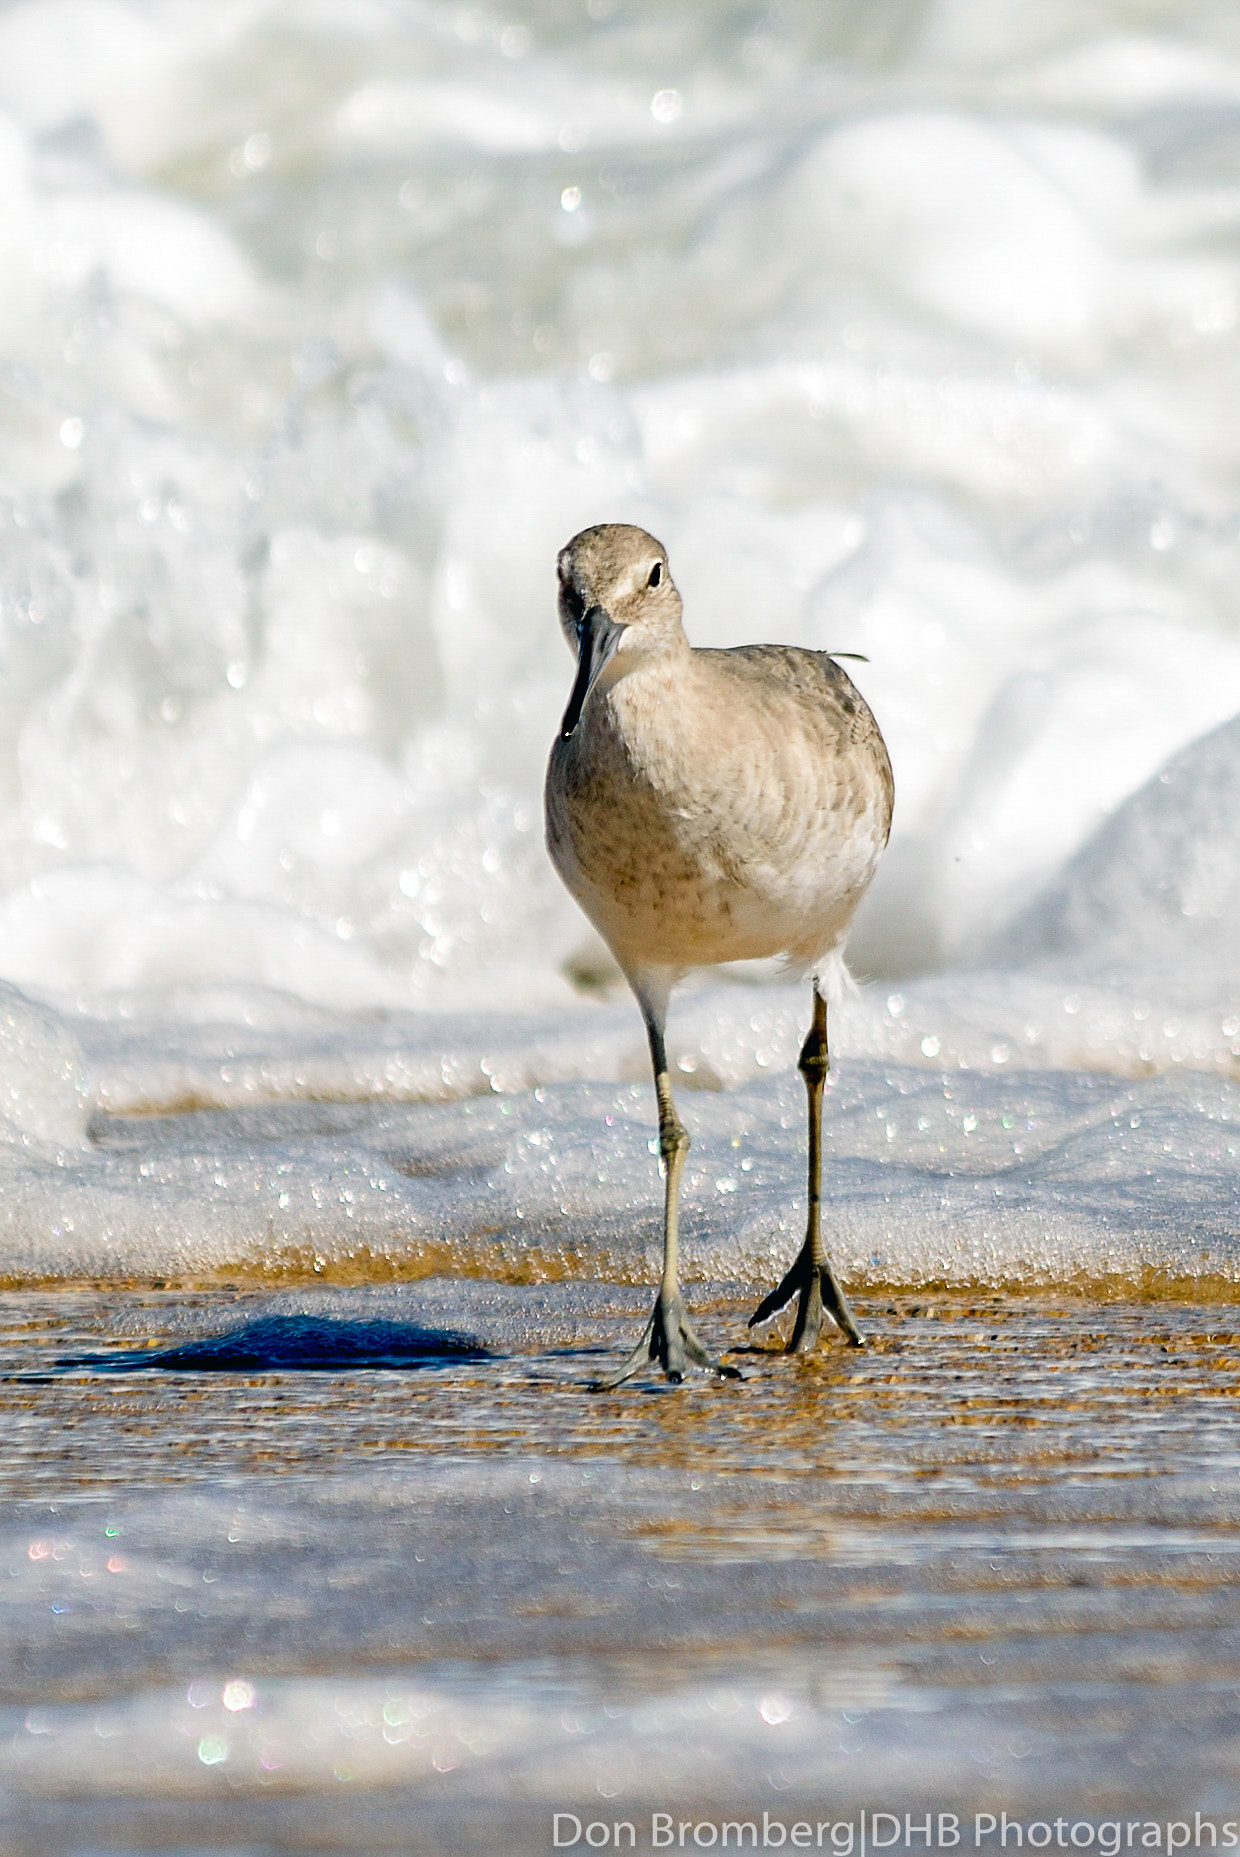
x=706 y=806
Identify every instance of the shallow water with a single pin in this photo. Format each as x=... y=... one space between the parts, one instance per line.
x=989 y=1563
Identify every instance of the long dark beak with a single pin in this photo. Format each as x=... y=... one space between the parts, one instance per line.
x=600 y=634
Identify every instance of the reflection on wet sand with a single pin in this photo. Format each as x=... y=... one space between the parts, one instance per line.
x=994 y=1560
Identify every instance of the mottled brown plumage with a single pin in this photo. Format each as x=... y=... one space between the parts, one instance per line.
x=706 y=806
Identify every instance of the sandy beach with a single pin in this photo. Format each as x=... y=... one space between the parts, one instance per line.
x=991 y=1566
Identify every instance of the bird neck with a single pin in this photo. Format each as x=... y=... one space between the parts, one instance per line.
x=648 y=705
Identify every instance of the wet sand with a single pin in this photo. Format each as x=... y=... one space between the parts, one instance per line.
x=993 y=1563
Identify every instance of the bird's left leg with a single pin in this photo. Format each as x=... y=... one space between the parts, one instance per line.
x=811 y=1279
x=668 y=1338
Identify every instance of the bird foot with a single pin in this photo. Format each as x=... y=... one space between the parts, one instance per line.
x=669 y=1340
x=813 y=1284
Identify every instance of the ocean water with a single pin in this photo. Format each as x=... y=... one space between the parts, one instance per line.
x=912 y=329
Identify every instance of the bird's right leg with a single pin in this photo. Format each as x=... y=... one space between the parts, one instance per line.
x=668 y=1338
x=811 y=1279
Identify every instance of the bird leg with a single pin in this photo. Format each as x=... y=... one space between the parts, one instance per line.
x=668 y=1338
x=811 y=1278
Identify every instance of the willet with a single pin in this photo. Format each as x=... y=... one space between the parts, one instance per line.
x=706 y=806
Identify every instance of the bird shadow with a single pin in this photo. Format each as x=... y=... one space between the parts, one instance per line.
x=305 y=1343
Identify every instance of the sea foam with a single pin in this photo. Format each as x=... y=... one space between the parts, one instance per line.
x=302 y=393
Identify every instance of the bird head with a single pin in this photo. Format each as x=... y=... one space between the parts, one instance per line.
x=618 y=603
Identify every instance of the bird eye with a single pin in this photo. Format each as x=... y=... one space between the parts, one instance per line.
x=656 y=574
x=573 y=602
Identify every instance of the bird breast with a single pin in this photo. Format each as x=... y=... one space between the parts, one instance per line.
x=721 y=805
